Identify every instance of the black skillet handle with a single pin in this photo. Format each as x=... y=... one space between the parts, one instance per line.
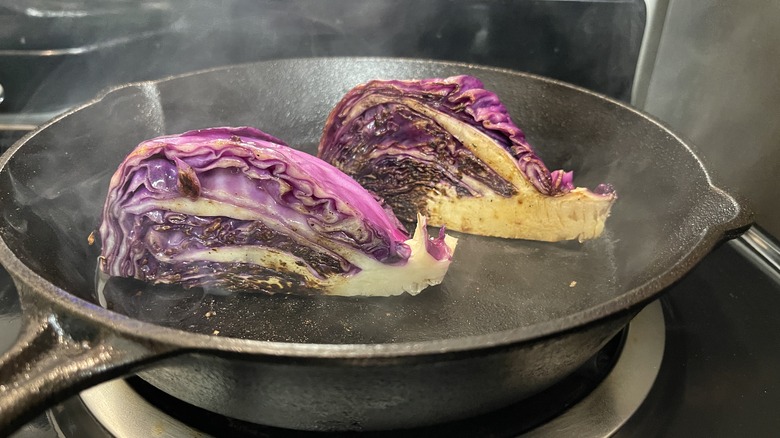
x=56 y=356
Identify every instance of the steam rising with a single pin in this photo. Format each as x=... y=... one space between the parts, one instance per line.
x=59 y=178
x=71 y=50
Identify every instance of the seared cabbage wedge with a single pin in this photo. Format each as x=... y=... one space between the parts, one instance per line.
x=448 y=149
x=236 y=208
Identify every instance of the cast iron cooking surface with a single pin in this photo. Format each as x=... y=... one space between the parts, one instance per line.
x=489 y=287
x=53 y=189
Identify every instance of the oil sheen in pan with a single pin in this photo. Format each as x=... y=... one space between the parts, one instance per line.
x=493 y=284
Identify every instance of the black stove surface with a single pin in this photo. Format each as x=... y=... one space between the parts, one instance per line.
x=721 y=371
x=720 y=374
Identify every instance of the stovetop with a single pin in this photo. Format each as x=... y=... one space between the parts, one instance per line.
x=719 y=375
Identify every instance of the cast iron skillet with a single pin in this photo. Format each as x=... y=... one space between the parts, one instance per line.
x=507 y=321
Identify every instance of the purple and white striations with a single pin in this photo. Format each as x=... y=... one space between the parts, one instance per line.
x=236 y=208
x=447 y=148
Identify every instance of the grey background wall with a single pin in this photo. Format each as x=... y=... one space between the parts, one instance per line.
x=716 y=81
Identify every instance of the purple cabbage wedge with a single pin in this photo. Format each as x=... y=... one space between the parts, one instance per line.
x=448 y=149
x=236 y=208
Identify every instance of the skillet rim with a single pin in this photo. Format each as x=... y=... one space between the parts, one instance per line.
x=134 y=328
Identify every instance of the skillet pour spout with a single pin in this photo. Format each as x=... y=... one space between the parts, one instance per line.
x=503 y=325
